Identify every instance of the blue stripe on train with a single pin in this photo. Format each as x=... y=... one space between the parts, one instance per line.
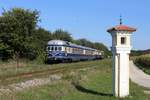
x=59 y=55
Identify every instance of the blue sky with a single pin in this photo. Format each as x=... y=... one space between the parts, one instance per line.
x=91 y=18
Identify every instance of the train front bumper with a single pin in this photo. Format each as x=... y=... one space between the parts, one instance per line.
x=58 y=58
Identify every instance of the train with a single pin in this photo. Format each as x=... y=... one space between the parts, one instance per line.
x=64 y=51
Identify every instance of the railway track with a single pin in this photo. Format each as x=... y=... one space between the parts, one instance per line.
x=4 y=80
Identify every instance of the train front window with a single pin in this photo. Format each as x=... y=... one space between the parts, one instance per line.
x=55 y=48
x=48 y=48
x=59 y=48
x=52 y=48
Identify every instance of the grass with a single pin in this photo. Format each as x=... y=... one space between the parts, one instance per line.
x=30 y=67
x=91 y=83
x=8 y=71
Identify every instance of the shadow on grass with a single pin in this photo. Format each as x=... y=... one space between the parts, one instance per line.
x=82 y=89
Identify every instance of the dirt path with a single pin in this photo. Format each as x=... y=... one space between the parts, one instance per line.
x=138 y=76
x=28 y=84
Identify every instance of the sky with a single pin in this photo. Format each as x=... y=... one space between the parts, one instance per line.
x=91 y=18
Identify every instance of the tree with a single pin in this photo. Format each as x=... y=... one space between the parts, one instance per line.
x=102 y=47
x=16 y=28
x=62 y=35
x=41 y=37
x=84 y=42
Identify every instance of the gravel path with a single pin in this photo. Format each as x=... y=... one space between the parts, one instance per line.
x=138 y=76
x=28 y=84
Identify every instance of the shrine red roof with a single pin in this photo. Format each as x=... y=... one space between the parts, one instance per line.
x=121 y=28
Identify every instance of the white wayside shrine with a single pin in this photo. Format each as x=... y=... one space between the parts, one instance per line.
x=121 y=47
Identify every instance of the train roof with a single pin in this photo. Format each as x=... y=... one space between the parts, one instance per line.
x=66 y=43
x=57 y=42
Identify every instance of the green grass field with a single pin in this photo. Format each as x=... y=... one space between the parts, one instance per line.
x=93 y=82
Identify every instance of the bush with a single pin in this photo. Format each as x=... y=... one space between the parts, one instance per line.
x=143 y=61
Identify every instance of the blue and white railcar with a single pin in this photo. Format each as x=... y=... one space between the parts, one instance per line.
x=58 y=50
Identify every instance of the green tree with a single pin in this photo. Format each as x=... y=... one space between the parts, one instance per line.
x=41 y=37
x=84 y=42
x=62 y=35
x=16 y=28
x=102 y=47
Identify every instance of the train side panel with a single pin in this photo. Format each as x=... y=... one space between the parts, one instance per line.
x=58 y=50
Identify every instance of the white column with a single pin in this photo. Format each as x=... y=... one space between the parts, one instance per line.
x=124 y=75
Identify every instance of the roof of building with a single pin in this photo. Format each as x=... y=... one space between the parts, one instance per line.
x=121 y=28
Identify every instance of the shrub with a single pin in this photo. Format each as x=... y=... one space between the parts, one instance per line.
x=143 y=62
